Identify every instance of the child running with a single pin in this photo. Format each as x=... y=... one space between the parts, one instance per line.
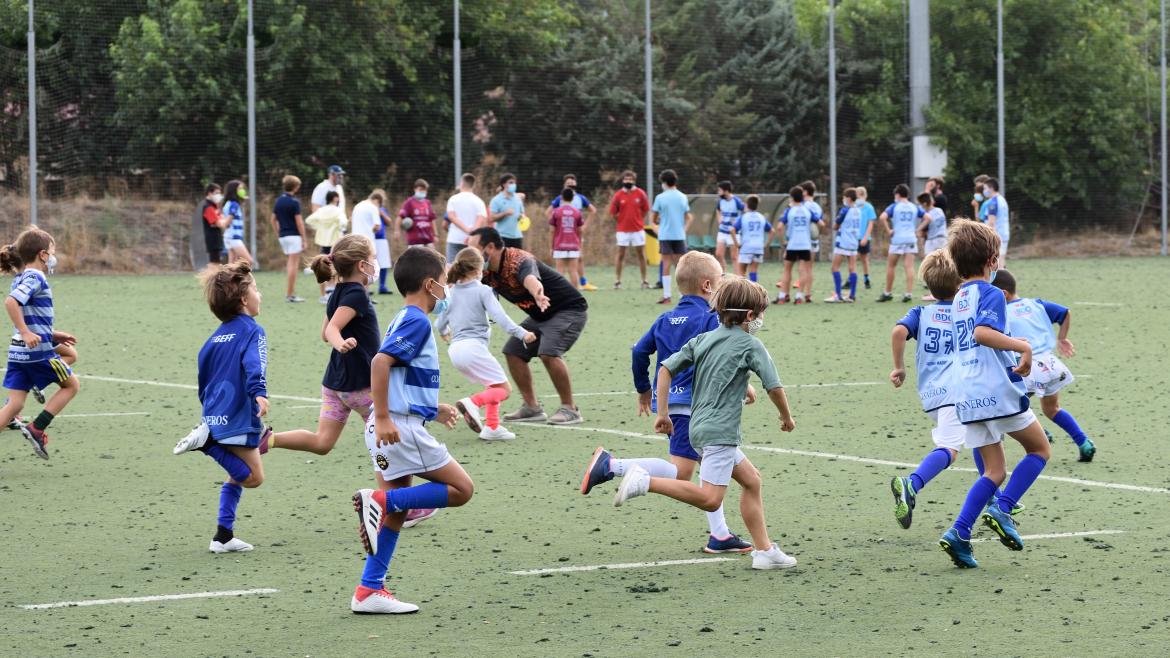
x=405 y=378
x=466 y=319
x=33 y=363
x=845 y=245
x=752 y=230
x=990 y=399
x=697 y=277
x=568 y=224
x=722 y=360
x=796 y=225
x=903 y=241
x=235 y=193
x=1032 y=320
x=233 y=391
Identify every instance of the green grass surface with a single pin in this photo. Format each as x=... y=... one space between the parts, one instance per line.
x=114 y=514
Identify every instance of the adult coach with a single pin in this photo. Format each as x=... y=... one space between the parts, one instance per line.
x=934 y=187
x=290 y=227
x=506 y=210
x=672 y=213
x=557 y=313
x=628 y=208
x=332 y=183
x=465 y=213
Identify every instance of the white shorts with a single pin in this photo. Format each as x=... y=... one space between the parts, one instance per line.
x=416 y=451
x=472 y=358
x=934 y=244
x=989 y=432
x=838 y=251
x=948 y=432
x=748 y=259
x=382 y=249
x=726 y=240
x=717 y=462
x=631 y=239
x=562 y=255
x=233 y=244
x=899 y=249
x=291 y=245
x=1048 y=376
x=1003 y=245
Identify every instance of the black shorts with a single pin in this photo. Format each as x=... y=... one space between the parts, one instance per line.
x=325 y=250
x=554 y=336
x=672 y=247
x=863 y=249
x=514 y=243
x=798 y=254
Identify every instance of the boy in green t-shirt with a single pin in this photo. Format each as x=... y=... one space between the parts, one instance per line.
x=723 y=360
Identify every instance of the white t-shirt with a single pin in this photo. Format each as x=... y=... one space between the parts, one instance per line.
x=466 y=207
x=323 y=188
x=364 y=218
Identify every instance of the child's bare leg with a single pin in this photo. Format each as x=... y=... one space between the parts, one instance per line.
x=1034 y=441
x=740 y=269
x=786 y=281
x=460 y=488
x=706 y=496
x=251 y=457
x=751 y=503
x=1050 y=405
x=67 y=354
x=853 y=264
x=720 y=250
x=865 y=264
x=13 y=407
x=319 y=442
x=806 y=277
x=685 y=467
x=64 y=394
x=908 y=265
x=994 y=463
x=891 y=265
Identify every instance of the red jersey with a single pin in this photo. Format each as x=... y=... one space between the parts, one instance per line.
x=423 y=231
x=630 y=208
x=566 y=222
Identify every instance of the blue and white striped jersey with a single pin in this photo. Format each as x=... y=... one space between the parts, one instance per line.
x=235 y=230
x=730 y=210
x=31 y=290
x=414 y=378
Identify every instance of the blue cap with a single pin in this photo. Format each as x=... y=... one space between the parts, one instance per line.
x=336 y=169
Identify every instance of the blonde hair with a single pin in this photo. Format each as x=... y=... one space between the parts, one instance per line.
x=939 y=274
x=343 y=259
x=971 y=246
x=862 y=193
x=290 y=183
x=693 y=268
x=736 y=297
x=467 y=262
x=225 y=286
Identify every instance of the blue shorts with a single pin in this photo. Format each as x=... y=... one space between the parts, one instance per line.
x=680 y=441
x=39 y=374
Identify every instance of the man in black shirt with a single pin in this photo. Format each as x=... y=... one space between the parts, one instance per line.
x=934 y=187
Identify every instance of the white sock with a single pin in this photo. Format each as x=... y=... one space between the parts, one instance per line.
x=666 y=286
x=800 y=295
x=658 y=468
x=717 y=522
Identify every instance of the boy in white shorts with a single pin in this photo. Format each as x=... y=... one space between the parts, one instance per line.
x=567 y=224
x=404 y=378
x=931 y=327
x=846 y=245
x=752 y=230
x=286 y=220
x=991 y=397
x=1032 y=320
x=730 y=209
x=901 y=221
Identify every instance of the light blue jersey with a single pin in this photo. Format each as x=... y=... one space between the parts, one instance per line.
x=798 y=220
x=935 y=357
x=31 y=290
x=814 y=209
x=508 y=227
x=983 y=206
x=730 y=210
x=752 y=230
x=672 y=208
x=998 y=206
x=868 y=216
x=938 y=224
x=904 y=216
x=988 y=389
x=414 y=378
x=1032 y=320
x=848 y=229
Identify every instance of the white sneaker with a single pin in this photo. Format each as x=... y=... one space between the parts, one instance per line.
x=636 y=482
x=235 y=545
x=369 y=518
x=380 y=602
x=470 y=414
x=498 y=434
x=193 y=441
x=773 y=558
x=324 y=299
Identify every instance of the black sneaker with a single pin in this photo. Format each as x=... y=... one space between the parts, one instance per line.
x=37 y=394
x=37 y=438
x=886 y=297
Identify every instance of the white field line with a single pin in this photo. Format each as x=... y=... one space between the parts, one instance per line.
x=1108 y=304
x=826 y=385
x=148 y=599
x=304 y=406
x=868 y=460
x=189 y=387
x=104 y=415
x=621 y=565
x=1059 y=535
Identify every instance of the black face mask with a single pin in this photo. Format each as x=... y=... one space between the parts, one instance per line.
x=628 y=186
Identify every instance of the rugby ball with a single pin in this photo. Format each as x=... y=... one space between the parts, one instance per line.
x=406 y=223
x=814 y=230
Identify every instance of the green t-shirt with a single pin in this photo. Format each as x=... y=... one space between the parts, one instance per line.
x=722 y=360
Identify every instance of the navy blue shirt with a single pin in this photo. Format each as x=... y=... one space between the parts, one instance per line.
x=351 y=371
x=232 y=374
x=672 y=330
x=286 y=210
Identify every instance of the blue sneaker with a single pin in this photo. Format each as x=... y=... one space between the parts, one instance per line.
x=959 y=549
x=1003 y=525
x=1087 y=450
x=597 y=471
x=732 y=544
x=904 y=500
x=1016 y=509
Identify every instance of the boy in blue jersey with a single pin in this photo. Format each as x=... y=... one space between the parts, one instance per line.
x=845 y=245
x=404 y=378
x=32 y=362
x=868 y=217
x=796 y=225
x=1032 y=320
x=931 y=327
x=698 y=276
x=901 y=221
x=730 y=209
x=752 y=230
x=991 y=398
x=233 y=393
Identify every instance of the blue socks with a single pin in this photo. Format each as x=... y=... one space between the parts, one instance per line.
x=977 y=499
x=936 y=462
x=853 y=285
x=382 y=278
x=584 y=281
x=229 y=500
x=1070 y=426
x=1022 y=478
x=837 y=282
x=421 y=496
x=236 y=468
x=753 y=276
x=374 y=574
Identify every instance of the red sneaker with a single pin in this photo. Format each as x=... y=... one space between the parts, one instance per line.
x=368 y=601
x=37 y=438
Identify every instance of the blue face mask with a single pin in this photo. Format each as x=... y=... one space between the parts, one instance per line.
x=511 y=188
x=441 y=306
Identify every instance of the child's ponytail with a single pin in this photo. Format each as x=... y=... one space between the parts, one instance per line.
x=468 y=262
x=9 y=260
x=322 y=267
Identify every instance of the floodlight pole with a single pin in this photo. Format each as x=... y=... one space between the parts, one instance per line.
x=457 y=56
x=252 y=183
x=833 y=194
x=999 y=91
x=32 y=117
x=649 y=111
x=1162 y=67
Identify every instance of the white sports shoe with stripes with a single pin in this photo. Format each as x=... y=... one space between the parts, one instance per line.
x=369 y=512
x=234 y=545
x=193 y=441
x=378 y=602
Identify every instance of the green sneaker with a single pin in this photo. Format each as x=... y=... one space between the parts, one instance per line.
x=1087 y=450
x=904 y=500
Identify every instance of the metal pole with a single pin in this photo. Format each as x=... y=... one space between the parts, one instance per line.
x=999 y=91
x=458 y=74
x=920 y=92
x=32 y=118
x=832 y=109
x=649 y=111
x=1165 y=201
x=252 y=183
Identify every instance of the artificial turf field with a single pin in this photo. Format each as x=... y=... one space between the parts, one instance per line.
x=113 y=514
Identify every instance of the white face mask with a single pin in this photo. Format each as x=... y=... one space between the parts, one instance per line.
x=217 y=199
x=420 y=195
x=371 y=278
x=755 y=325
